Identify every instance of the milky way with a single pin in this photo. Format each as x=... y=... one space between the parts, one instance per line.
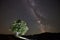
x=33 y=5
x=41 y=15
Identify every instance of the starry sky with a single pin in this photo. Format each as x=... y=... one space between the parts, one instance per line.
x=41 y=15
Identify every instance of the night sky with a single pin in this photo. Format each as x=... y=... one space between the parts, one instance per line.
x=41 y=15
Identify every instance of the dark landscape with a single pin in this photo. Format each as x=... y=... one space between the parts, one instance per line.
x=43 y=36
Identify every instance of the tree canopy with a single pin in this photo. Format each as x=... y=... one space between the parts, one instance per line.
x=19 y=26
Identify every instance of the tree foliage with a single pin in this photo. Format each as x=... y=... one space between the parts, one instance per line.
x=19 y=26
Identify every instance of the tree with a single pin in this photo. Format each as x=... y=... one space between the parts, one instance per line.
x=19 y=27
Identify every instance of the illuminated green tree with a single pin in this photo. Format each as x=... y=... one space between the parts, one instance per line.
x=19 y=27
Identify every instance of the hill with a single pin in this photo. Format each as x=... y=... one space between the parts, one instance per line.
x=43 y=36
